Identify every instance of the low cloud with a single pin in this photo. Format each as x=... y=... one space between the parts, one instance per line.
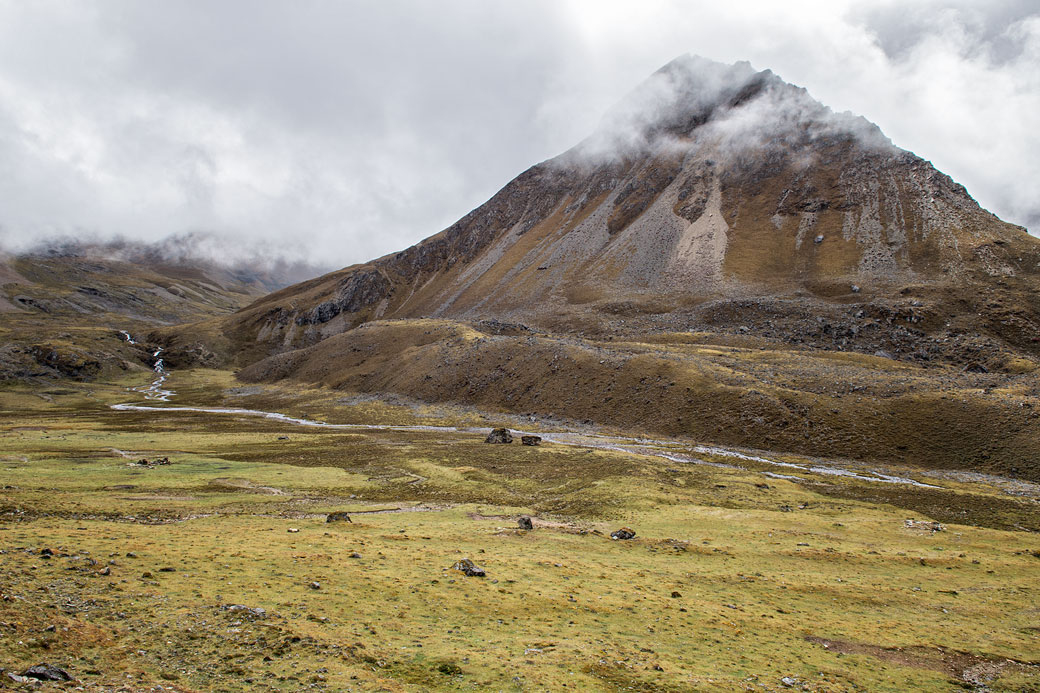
x=337 y=132
x=734 y=110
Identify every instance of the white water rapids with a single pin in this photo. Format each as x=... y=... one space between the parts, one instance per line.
x=674 y=451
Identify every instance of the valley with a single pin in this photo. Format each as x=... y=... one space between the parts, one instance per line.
x=773 y=384
x=219 y=571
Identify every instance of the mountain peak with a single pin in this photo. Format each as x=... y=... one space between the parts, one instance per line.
x=709 y=191
x=695 y=102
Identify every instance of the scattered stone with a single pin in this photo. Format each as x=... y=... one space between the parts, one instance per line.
x=531 y=440
x=468 y=568
x=881 y=353
x=46 y=552
x=292 y=530
x=106 y=571
x=315 y=585
x=818 y=239
x=153 y=463
x=46 y=672
x=676 y=595
x=789 y=681
x=623 y=534
x=283 y=437
x=131 y=554
x=855 y=289
x=338 y=517
x=167 y=569
x=49 y=629
x=499 y=435
x=16 y=678
x=146 y=574
x=355 y=555
x=923 y=525
x=258 y=612
x=525 y=522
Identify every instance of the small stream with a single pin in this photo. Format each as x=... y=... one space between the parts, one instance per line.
x=671 y=450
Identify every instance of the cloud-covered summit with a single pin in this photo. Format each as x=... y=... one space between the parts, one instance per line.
x=693 y=101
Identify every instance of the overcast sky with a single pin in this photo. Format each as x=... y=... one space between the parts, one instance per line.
x=340 y=131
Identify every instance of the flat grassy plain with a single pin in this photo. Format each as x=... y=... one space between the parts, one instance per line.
x=219 y=572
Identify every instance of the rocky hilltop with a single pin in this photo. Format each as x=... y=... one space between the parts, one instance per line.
x=717 y=197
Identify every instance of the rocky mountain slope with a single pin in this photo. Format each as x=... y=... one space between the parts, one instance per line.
x=713 y=196
x=63 y=307
x=724 y=259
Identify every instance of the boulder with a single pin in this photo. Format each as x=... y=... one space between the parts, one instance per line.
x=46 y=672
x=531 y=440
x=338 y=517
x=499 y=435
x=623 y=534
x=469 y=568
x=525 y=522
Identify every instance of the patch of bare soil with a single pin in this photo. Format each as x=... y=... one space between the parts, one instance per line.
x=969 y=668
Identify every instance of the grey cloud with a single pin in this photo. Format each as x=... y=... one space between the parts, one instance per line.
x=732 y=110
x=341 y=131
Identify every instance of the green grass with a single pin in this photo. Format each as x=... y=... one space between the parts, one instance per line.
x=766 y=576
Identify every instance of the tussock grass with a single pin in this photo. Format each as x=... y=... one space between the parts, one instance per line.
x=766 y=576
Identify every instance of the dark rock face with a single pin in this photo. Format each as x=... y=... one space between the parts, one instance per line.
x=531 y=440
x=468 y=568
x=623 y=534
x=499 y=436
x=47 y=672
x=338 y=517
x=355 y=292
x=525 y=522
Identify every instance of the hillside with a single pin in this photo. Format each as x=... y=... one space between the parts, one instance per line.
x=713 y=196
x=64 y=308
x=724 y=259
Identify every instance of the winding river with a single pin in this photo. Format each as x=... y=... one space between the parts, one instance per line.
x=671 y=450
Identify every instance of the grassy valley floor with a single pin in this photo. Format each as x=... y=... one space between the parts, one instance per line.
x=219 y=572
